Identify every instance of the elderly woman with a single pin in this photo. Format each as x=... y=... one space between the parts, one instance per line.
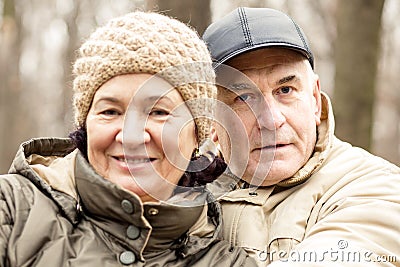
x=117 y=192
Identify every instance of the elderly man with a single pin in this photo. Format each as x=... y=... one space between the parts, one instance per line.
x=296 y=193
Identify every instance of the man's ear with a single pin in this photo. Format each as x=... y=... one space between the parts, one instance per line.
x=318 y=100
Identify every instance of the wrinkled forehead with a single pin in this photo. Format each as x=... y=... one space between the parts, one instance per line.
x=267 y=58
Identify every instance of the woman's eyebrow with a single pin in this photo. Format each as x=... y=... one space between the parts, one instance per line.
x=102 y=100
x=108 y=99
x=156 y=99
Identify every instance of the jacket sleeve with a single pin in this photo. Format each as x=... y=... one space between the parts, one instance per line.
x=6 y=220
x=357 y=226
x=242 y=259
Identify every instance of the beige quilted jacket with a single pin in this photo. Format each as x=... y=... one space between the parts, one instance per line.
x=341 y=209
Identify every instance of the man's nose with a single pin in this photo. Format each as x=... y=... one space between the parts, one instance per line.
x=270 y=115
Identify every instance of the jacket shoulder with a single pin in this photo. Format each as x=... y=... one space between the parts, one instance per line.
x=16 y=192
x=15 y=195
x=13 y=185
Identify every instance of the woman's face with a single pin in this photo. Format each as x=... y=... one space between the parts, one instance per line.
x=140 y=135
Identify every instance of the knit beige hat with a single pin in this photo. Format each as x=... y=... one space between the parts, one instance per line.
x=141 y=42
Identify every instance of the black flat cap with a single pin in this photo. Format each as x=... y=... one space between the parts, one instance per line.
x=246 y=29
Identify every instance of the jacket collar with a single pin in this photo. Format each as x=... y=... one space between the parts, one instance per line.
x=160 y=224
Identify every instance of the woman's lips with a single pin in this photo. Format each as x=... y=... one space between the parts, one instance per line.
x=134 y=163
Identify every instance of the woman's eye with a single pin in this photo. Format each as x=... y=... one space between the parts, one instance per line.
x=158 y=112
x=109 y=112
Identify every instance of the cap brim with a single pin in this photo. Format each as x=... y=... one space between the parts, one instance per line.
x=238 y=52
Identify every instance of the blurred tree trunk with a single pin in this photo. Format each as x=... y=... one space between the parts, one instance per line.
x=196 y=13
x=69 y=58
x=10 y=90
x=356 y=57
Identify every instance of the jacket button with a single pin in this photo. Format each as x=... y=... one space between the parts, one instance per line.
x=153 y=211
x=127 y=206
x=132 y=232
x=127 y=257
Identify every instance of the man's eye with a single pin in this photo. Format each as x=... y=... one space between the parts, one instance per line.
x=284 y=90
x=243 y=97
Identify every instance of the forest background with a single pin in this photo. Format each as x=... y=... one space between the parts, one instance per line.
x=356 y=45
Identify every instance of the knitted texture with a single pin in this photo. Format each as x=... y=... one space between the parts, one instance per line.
x=152 y=43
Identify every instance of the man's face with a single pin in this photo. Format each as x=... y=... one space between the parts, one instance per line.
x=271 y=132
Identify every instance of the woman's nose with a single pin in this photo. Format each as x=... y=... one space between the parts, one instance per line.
x=134 y=131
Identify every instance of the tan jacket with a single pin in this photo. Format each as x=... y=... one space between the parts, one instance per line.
x=341 y=209
x=56 y=211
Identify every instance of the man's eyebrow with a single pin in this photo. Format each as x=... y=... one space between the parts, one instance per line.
x=286 y=79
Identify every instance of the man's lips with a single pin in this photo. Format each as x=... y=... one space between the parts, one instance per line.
x=271 y=146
